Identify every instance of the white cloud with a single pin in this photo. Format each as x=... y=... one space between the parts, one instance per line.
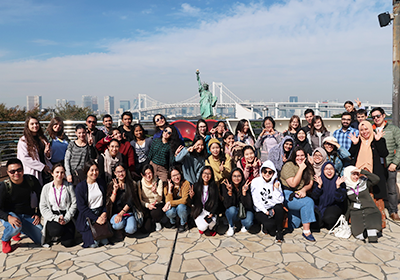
x=44 y=42
x=187 y=9
x=305 y=48
x=147 y=11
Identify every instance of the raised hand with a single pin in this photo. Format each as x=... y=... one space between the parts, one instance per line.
x=358 y=102
x=318 y=179
x=276 y=185
x=191 y=191
x=152 y=206
x=221 y=166
x=339 y=181
x=379 y=135
x=179 y=150
x=354 y=138
x=303 y=165
x=310 y=159
x=170 y=186
x=246 y=187
x=47 y=149
x=154 y=187
x=190 y=149
x=228 y=186
x=256 y=163
x=115 y=184
x=90 y=139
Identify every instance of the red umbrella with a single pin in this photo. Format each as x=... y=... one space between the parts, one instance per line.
x=186 y=128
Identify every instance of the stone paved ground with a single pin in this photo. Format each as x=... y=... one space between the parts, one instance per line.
x=244 y=256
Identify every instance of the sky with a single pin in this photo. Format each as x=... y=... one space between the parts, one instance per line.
x=261 y=50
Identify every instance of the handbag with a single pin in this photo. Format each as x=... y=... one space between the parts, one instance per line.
x=139 y=216
x=242 y=211
x=341 y=229
x=100 y=232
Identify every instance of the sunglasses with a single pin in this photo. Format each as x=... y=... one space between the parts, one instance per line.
x=269 y=172
x=168 y=132
x=91 y=121
x=19 y=170
x=159 y=119
x=376 y=117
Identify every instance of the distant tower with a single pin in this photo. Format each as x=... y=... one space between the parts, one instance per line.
x=95 y=105
x=87 y=101
x=109 y=104
x=33 y=101
x=61 y=102
x=293 y=99
x=125 y=105
x=71 y=102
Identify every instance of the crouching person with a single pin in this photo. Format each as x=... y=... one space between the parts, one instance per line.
x=19 y=195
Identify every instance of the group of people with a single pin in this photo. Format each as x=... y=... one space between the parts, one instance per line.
x=302 y=177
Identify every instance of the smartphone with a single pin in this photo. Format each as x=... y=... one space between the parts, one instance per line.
x=208 y=219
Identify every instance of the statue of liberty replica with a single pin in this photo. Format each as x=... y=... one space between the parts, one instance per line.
x=207 y=99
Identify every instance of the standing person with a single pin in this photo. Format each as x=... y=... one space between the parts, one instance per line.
x=243 y=133
x=249 y=164
x=162 y=151
x=309 y=115
x=297 y=178
x=367 y=150
x=33 y=150
x=141 y=147
x=204 y=195
x=362 y=115
x=78 y=152
x=91 y=122
x=192 y=159
x=235 y=191
x=281 y=153
x=268 y=138
x=268 y=198
x=302 y=141
x=18 y=210
x=294 y=126
x=318 y=132
x=91 y=202
x=366 y=219
x=122 y=201
x=107 y=124
x=161 y=124
x=58 y=207
x=342 y=134
x=392 y=138
x=202 y=130
x=218 y=161
x=176 y=192
x=108 y=160
x=126 y=126
x=329 y=197
x=349 y=106
x=151 y=197
x=125 y=148
x=58 y=140
x=336 y=153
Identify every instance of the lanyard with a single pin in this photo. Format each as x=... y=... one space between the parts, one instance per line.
x=55 y=195
x=356 y=192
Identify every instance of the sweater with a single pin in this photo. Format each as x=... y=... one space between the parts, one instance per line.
x=147 y=196
x=392 y=138
x=125 y=149
x=178 y=195
x=191 y=165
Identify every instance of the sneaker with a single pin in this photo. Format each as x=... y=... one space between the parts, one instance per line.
x=395 y=217
x=309 y=237
x=6 y=246
x=213 y=233
x=230 y=231
x=158 y=227
x=201 y=232
x=46 y=245
x=173 y=226
x=17 y=237
x=183 y=228
x=279 y=237
x=244 y=229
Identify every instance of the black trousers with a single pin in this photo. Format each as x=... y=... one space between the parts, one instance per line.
x=152 y=217
x=331 y=215
x=66 y=232
x=273 y=224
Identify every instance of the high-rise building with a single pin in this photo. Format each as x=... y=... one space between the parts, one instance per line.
x=71 y=102
x=61 y=102
x=86 y=101
x=95 y=105
x=109 y=104
x=33 y=101
x=293 y=99
x=125 y=105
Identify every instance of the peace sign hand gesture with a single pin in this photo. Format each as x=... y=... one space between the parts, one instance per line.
x=246 y=187
x=191 y=192
x=221 y=166
x=47 y=149
x=228 y=186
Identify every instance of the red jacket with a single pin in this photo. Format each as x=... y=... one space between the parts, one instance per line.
x=125 y=149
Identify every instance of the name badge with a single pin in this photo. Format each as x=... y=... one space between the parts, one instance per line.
x=357 y=205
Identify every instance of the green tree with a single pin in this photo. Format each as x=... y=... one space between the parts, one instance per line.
x=18 y=114
x=72 y=112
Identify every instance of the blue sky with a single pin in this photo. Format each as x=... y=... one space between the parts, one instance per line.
x=261 y=50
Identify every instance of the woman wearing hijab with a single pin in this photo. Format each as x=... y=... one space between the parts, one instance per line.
x=366 y=220
x=328 y=196
x=302 y=141
x=280 y=154
x=367 y=149
x=318 y=159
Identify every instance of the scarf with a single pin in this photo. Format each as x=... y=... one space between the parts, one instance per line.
x=347 y=174
x=365 y=157
x=243 y=162
x=318 y=166
x=109 y=163
x=276 y=153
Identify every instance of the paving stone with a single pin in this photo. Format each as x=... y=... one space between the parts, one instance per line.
x=43 y=255
x=383 y=255
x=90 y=251
x=118 y=251
x=176 y=263
x=90 y=271
x=331 y=267
x=292 y=257
x=108 y=265
x=350 y=273
x=206 y=244
x=163 y=243
x=205 y=277
x=119 y=271
x=58 y=274
x=389 y=269
x=252 y=264
x=266 y=270
x=123 y=260
x=393 y=276
x=307 y=257
x=176 y=276
x=100 y=277
x=156 y=269
x=146 y=247
x=20 y=272
x=267 y=242
x=312 y=249
x=253 y=275
x=283 y=276
x=195 y=255
x=305 y=270
x=215 y=242
x=93 y=258
x=371 y=269
x=61 y=256
x=226 y=257
x=253 y=246
x=2 y=259
x=191 y=265
x=65 y=264
x=365 y=256
x=190 y=275
x=325 y=254
x=292 y=248
x=320 y=263
x=212 y=264
x=10 y=262
x=71 y=276
x=231 y=242
x=181 y=247
x=43 y=272
x=237 y=269
x=224 y=275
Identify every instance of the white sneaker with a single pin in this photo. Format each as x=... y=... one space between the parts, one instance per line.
x=230 y=231
x=158 y=227
x=243 y=229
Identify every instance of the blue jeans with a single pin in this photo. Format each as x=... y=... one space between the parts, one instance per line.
x=181 y=210
x=128 y=223
x=301 y=210
x=232 y=215
x=32 y=231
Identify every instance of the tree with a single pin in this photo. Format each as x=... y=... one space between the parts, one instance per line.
x=72 y=112
x=17 y=114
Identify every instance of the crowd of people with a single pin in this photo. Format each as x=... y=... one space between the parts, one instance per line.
x=304 y=177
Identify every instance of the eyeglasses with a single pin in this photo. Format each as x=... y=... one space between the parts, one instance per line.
x=347 y=120
x=376 y=117
x=269 y=172
x=237 y=176
x=168 y=132
x=19 y=170
x=91 y=121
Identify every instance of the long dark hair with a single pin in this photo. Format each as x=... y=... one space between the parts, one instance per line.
x=133 y=130
x=154 y=121
x=174 y=140
x=221 y=155
x=292 y=119
x=314 y=120
x=197 y=127
x=240 y=127
x=213 y=193
x=226 y=135
x=33 y=146
x=60 y=134
x=308 y=173
x=177 y=168
x=203 y=153
x=215 y=126
x=242 y=182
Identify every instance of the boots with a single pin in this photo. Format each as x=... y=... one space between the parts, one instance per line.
x=6 y=247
